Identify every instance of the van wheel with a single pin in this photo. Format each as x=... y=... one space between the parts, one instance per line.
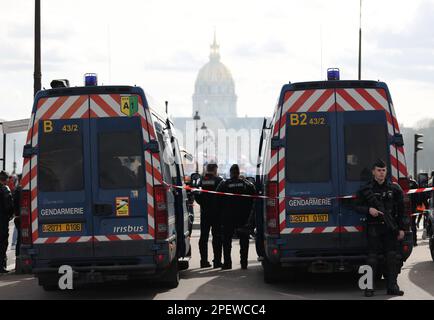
x=50 y=287
x=431 y=247
x=272 y=272
x=183 y=265
x=170 y=278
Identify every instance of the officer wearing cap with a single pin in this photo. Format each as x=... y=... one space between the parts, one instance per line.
x=235 y=212
x=209 y=217
x=383 y=204
x=6 y=213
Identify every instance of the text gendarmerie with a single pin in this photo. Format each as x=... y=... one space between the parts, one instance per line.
x=310 y=202
x=62 y=211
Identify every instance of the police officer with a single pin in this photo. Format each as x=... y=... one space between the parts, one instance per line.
x=414 y=202
x=235 y=212
x=17 y=212
x=383 y=203
x=6 y=212
x=209 y=217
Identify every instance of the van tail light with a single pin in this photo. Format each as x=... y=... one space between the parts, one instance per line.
x=405 y=185
x=26 y=218
x=161 y=214
x=272 y=205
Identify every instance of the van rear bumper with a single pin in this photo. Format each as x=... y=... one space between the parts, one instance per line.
x=123 y=268
x=325 y=259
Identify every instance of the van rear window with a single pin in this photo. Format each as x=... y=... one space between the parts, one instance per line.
x=120 y=160
x=364 y=144
x=60 y=162
x=308 y=154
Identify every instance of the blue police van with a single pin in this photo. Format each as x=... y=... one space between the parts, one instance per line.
x=318 y=148
x=100 y=166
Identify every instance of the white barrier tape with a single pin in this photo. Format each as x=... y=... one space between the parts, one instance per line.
x=411 y=191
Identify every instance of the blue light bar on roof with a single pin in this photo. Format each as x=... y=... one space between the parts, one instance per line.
x=90 y=79
x=333 y=74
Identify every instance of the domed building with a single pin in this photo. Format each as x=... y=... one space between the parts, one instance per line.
x=214 y=94
x=220 y=134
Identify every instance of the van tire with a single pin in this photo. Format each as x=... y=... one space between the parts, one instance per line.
x=431 y=247
x=170 y=278
x=50 y=287
x=272 y=272
x=183 y=265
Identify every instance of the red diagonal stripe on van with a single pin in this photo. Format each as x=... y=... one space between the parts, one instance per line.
x=112 y=237
x=297 y=230
x=135 y=237
x=51 y=240
x=350 y=100
x=151 y=231
x=321 y=100
x=117 y=98
x=288 y=95
x=41 y=102
x=282 y=225
x=318 y=230
x=73 y=239
x=74 y=107
x=300 y=101
x=382 y=92
x=104 y=105
x=92 y=114
x=35 y=235
x=396 y=163
x=54 y=107
x=273 y=170
x=157 y=176
x=377 y=105
x=338 y=108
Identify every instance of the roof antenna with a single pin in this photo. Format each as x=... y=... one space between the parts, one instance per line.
x=109 y=55
x=320 y=39
x=360 y=43
x=167 y=106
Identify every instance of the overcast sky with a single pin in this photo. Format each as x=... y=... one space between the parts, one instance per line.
x=160 y=46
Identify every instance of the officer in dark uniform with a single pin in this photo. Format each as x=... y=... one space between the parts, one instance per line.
x=209 y=217
x=6 y=213
x=235 y=212
x=383 y=203
x=414 y=198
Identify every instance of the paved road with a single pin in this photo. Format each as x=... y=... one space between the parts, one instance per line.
x=417 y=279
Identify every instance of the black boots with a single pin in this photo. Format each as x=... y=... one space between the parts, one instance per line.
x=227 y=266
x=204 y=264
x=395 y=291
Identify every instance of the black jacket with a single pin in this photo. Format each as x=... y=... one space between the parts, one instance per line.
x=208 y=201
x=387 y=198
x=235 y=210
x=6 y=203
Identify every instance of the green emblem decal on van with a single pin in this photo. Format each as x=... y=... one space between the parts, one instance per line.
x=129 y=105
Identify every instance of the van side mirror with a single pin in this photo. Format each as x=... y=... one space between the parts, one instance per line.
x=276 y=143
x=152 y=146
x=29 y=151
x=398 y=140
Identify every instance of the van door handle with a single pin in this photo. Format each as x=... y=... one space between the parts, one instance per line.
x=102 y=209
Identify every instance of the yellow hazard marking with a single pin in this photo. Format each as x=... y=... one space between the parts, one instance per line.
x=125 y=105
x=122 y=206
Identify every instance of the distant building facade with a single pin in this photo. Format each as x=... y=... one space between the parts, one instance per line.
x=222 y=136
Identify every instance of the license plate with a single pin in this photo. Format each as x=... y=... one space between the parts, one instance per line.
x=309 y=218
x=62 y=227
